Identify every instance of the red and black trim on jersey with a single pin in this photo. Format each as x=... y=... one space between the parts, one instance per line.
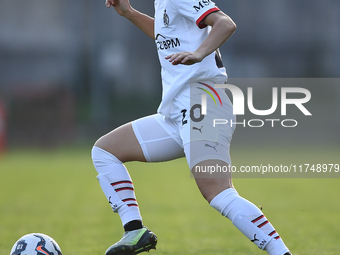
x=201 y=25
x=199 y=21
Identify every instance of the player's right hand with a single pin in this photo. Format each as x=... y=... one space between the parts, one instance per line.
x=122 y=7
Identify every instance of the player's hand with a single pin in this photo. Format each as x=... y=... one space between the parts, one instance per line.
x=122 y=7
x=185 y=58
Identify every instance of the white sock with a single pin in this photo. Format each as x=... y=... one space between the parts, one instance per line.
x=250 y=220
x=116 y=184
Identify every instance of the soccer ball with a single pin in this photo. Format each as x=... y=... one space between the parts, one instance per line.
x=36 y=244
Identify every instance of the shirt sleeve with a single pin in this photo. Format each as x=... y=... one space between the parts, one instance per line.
x=196 y=10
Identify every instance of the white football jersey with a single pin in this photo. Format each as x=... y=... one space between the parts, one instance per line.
x=179 y=27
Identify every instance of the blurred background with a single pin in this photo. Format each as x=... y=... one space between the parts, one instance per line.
x=71 y=71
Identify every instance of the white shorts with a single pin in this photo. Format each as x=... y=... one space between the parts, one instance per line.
x=187 y=132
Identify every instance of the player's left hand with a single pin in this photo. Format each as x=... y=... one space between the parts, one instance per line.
x=184 y=58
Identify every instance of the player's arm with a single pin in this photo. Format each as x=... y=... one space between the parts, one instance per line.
x=222 y=28
x=141 y=20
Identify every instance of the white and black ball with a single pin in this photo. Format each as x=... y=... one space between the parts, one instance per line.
x=36 y=244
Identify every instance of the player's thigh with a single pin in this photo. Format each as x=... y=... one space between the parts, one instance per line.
x=150 y=139
x=122 y=143
x=159 y=138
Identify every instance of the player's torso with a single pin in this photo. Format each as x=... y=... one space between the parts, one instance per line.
x=176 y=30
x=173 y=31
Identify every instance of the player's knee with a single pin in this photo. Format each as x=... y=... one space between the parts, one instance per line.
x=101 y=157
x=124 y=152
x=108 y=143
x=96 y=155
x=101 y=143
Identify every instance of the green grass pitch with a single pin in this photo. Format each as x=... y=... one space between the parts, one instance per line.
x=56 y=193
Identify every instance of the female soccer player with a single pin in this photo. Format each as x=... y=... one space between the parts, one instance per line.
x=188 y=34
